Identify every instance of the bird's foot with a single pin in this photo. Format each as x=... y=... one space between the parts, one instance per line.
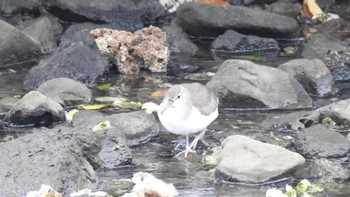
x=186 y=151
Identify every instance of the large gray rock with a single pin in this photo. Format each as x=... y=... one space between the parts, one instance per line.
x=244 y=84
x=129 y=14
x=16 y=46
x=232 y=42
x=312 y=74
x=66 y=91
x=58 y=158
x=246 y=160
x=43 y=32
x=34 y=109
x=200 y=19
x=319 y=141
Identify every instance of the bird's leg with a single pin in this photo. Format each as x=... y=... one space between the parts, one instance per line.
x=198 y=137
x=186 y=150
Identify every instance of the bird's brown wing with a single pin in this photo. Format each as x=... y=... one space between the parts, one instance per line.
x=202 y=97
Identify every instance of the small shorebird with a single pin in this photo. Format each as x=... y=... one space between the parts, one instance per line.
x=188 y=109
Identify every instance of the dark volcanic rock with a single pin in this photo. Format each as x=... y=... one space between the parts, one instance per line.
x=319 y=141
x=129 y=14
x=77 y=58
x=56 y=158
x=34 y=109
x=232 y=42
x=16 y=46
x=199 y=19
x=42 y=30
x=312 y=74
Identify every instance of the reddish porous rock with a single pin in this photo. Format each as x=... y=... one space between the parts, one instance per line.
x=145 y=48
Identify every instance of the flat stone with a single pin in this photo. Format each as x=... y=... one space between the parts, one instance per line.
x=232 y=42
x=199 y=19
x=246 y=160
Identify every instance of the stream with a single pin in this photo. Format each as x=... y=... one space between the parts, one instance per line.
x=189 y=176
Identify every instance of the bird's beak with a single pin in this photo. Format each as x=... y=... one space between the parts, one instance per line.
x=166 y=106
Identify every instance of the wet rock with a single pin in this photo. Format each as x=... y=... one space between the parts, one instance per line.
x=319 y=44
x=43 y=32
x=205 y=20
x=338 y=64
x=129 y=129
x=172 y=5
x=319 y=141
x=145 y=48
x=80 y=32
x=16 y=46
x=12 y=7
x=77 y=58
x=243 y=84
x=7 y=103
x=286 y=123
x=312 y=74
x=333 y=52
x=181 y=69
x=113 y=157
x=34 y=109
x=329 y=171
x=232 y=42
x=66 y=91
x=130 y=14
x=58 y=158
x=246 y=160
x=178 y=41
x=337 y=111
x=125 y=130
x=285 y=8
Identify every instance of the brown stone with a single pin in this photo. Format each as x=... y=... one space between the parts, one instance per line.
x=145 y=48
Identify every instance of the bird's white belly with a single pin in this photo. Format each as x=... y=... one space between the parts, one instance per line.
x=196 y=122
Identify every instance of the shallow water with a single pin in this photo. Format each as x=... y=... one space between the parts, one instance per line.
x=189 y=176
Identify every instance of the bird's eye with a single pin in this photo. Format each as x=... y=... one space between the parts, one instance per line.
x=178 y=96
